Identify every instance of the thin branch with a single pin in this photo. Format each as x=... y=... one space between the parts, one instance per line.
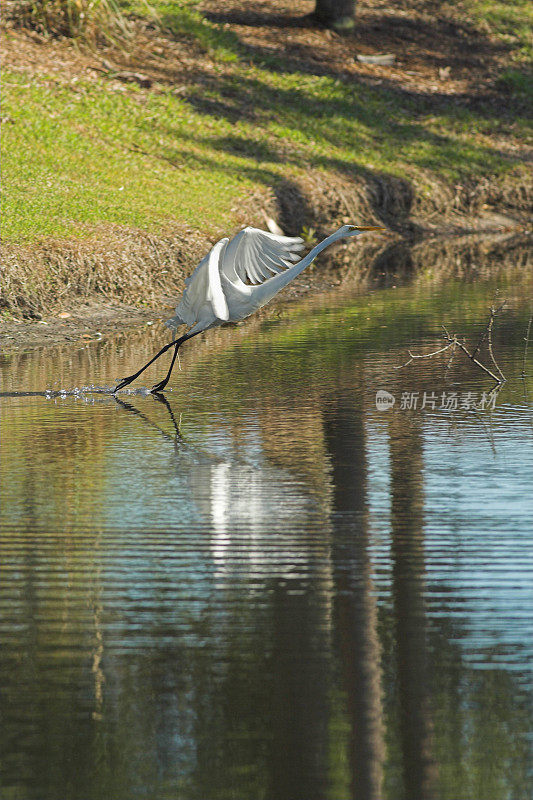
x=454 y=342
x=482 y=338
x=448 y=365
x=488 y=327
x=425 y=355
x=462 y=346
x=493 y=312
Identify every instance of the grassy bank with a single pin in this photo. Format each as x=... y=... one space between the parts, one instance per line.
x=205 y=111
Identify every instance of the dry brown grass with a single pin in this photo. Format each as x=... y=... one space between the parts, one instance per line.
x=92 y=21
x=117 y=265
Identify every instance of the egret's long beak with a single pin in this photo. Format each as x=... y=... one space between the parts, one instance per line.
x=368 y=228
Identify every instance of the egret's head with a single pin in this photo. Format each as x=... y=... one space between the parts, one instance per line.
x=355 y=230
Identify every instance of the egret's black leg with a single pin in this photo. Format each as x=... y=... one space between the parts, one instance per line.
x=125 y=381
x=159 y=387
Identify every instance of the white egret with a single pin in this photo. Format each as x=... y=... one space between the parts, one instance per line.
x=234 y=279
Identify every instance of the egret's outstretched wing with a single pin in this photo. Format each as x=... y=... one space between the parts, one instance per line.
x=215 y=293
x=254 y=255
x=201 y=287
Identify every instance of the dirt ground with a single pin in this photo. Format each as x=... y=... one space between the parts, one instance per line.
x=436 y=53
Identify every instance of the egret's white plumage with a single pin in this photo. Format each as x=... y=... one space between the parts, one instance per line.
x=237 y=277
x=222 y=288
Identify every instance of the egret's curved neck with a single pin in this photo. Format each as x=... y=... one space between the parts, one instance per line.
x=264 y=292
x=312 y=254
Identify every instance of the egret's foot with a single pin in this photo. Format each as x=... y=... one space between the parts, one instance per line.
x=124 y=382
x=159 y=387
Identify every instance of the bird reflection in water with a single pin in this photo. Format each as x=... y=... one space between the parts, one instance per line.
x=237 y=495
x=311 y=566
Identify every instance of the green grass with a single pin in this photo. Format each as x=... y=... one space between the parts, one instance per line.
x=68 y=164
x=509 y=20
x=76 y=156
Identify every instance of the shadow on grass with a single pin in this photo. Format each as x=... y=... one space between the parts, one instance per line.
x=390 y=197
x=362 y=127
x=428 y=43
x=366 y=127
x=392 y=115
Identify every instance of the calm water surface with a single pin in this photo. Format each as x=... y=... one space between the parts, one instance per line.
x=264 y=586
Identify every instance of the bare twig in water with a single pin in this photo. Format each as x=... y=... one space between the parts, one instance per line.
x=454 y=342
x=493 y=312
x=448 y=365
x=526 y=340
x=424 y=355
x=488 y=327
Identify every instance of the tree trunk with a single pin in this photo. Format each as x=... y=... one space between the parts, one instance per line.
x=336 y=13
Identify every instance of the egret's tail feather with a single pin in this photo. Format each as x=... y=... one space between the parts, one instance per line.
x=174 y=322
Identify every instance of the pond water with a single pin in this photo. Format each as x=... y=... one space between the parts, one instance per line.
x=264 y=586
